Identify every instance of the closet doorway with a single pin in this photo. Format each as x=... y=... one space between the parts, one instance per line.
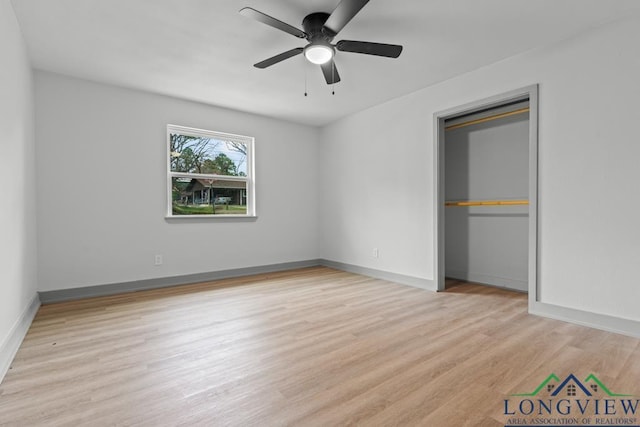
x=486 y=186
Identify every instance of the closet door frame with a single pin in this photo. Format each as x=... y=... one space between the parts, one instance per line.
x=530 y=93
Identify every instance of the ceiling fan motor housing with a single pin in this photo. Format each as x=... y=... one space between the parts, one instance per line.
x=313 y=25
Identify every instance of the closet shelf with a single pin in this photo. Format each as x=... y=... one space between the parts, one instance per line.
x=487 y=119
x=486 y=203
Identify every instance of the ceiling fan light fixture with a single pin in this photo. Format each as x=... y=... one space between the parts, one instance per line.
x=318 y=53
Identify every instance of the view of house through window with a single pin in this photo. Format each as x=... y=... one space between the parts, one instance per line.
x=210 y=173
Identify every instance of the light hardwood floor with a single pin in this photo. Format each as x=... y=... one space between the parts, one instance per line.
x=311 y=347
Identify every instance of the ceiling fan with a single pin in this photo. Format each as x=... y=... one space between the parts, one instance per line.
x=319 y=29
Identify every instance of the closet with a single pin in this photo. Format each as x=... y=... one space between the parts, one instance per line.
x=486 y=186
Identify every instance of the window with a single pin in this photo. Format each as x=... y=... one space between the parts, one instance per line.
x=209 y=173
x=571 y=390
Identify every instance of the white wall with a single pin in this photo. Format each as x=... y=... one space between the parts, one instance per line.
x=378 y=171
x=17 y=175
x=102 y=188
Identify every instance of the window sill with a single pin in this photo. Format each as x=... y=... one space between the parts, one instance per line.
x=208 y=218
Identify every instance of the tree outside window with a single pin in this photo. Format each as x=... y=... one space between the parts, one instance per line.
x=210 y=173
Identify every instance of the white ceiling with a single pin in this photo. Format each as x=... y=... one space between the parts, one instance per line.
x=203 y=50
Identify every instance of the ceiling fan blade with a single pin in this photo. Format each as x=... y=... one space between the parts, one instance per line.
x=342 y=14
x=330 y=72
x=272 y=22
x=369 y=48
x=278 y=58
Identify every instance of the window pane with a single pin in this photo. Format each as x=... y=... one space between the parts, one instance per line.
x=191 y=196
x=198 y=154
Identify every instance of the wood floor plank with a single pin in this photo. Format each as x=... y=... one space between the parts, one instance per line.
x=310 y=347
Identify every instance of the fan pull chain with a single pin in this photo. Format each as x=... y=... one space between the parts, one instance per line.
x=333 y=78
x=305 y=79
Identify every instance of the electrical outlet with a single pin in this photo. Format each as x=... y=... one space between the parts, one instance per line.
x=158 y=260
x=376 y=253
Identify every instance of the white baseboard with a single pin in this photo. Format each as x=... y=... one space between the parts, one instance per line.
x=11 y=344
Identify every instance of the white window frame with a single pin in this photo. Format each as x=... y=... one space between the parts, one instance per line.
x=249 y=179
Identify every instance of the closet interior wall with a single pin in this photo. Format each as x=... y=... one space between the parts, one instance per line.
x=487 y=161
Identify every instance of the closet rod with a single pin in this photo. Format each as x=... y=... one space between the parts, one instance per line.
x=488 y=119
x=487 y=203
